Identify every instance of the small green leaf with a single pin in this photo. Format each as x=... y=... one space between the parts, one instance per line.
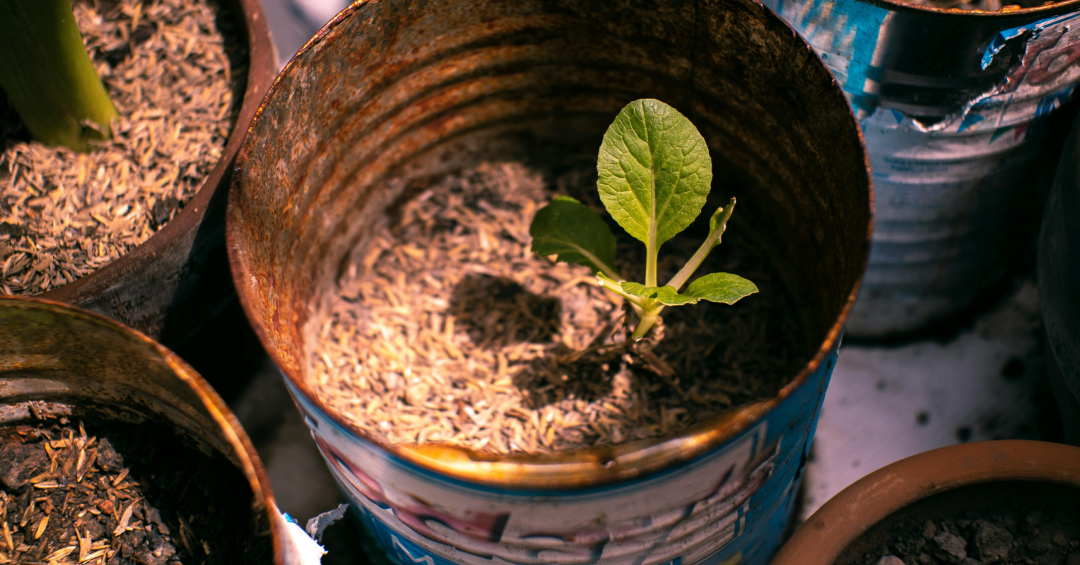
x=666 y=295
x=725 y=288
x=576 y=234
x=717 y=287
x=654 y=171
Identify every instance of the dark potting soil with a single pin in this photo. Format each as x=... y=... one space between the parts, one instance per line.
x=114 y=494
x=1004 y=524
x=450 y=330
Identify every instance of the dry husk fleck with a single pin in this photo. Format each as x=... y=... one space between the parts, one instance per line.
x=175 y=70
x=451 y=330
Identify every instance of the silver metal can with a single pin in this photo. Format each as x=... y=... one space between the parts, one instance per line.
x=956 y=108
x=1059 y=286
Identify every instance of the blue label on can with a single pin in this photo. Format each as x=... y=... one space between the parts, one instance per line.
x=728 y=506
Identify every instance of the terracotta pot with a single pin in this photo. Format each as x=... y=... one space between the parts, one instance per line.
x=172 y=283
x=931 y=477
x=78 y=364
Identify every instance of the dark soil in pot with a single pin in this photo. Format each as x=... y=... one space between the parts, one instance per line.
x=109 y=493
x=1008 y=523
x=176 y=72
x=449 y=329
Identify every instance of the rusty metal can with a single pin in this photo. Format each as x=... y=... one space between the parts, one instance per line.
x=394 y=92
x=65 y=363
x=957 y=109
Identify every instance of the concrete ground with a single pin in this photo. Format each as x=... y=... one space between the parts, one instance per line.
x=986 y=381
x=889 y=402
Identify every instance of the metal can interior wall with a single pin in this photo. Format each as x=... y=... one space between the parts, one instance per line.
x=394 y=91
x=728 y=506
x=955 y=108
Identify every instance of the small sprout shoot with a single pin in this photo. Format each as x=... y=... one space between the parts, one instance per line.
x=654 y=176
x=48 y=76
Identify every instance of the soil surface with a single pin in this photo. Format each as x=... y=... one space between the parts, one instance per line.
x=131 y=495
x=176 y=72
x=1008 y=533
x=449 y=329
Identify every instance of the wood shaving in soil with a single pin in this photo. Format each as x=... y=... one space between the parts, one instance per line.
x=66 y=498
x=175 y=70
x=451 y=330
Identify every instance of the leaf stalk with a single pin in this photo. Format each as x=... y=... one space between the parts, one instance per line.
x=610 y=284
x=702 y=252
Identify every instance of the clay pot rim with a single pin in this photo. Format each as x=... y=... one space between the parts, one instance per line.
x=262 y=67
x=871 y=499
x=230 y=427
x=582 y=468
x=1045 y=10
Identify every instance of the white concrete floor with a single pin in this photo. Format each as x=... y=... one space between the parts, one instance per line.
x=887 y=403
x=884 y=403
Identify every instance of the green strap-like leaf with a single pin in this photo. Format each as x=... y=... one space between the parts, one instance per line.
x=576 y=234
x=654 y=171
x=724 y=288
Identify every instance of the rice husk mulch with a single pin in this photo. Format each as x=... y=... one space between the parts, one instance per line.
x=451 y=330
x=175 y=70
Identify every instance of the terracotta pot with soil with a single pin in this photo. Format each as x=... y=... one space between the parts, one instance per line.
x=113 y=451
x=1006 y=502
x=470 y=396
x=133 y=229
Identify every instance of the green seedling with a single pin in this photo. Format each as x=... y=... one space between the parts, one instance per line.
x=654 y=176
x=48 y=76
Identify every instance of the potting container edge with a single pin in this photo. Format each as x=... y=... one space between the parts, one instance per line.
x=845 y=517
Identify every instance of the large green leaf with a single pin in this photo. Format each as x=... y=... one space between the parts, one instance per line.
x=576 y=234
x=724 y=288
x=654 y=171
